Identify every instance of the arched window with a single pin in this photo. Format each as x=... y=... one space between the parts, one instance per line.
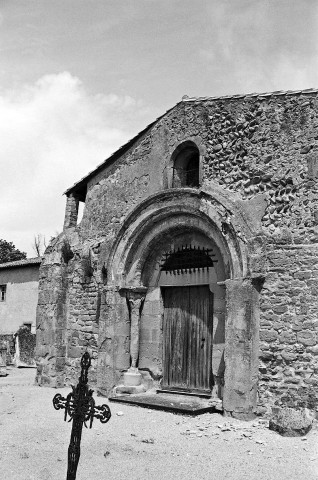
x=186 y=166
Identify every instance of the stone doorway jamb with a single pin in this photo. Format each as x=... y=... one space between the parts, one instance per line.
x=241 y=346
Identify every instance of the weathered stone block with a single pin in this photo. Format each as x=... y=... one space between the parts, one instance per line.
x=289 y=422
x=74 y=352
x=280 y=308
x=287 y=337
x=306 y=337
x=313 y=380
x=268 y=335
x=288 y=356
x=313 y=349
x=280 y=260
x=266 y=355
x=294 y=380
x=312 y=163
x=303 y=274
x=60 y=364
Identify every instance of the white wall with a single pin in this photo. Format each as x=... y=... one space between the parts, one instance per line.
x=21 y=300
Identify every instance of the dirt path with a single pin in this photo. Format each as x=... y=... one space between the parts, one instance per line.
x=141 y=444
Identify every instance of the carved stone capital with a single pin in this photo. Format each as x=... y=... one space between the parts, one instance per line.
x=134 y=292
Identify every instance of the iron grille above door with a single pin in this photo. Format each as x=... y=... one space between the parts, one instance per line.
x=188 y=259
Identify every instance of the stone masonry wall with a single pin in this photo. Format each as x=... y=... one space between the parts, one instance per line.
x=269 y=146
x=83 y=323
x=68 y=311
x=253 y=145
x=289 y=327
x=51 y=322
x=257 y=145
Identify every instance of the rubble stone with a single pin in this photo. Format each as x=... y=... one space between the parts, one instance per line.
x=289 y=422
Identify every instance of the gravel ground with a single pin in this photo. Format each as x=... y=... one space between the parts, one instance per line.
x=141 y=444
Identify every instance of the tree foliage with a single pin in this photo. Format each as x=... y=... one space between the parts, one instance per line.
x=8 y=252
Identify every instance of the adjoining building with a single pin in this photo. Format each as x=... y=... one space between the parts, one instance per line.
x=195 y=266
x=18 y=298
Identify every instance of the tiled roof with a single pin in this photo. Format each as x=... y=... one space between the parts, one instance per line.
x=278 y=93
x=81 y=184
x=22 y=263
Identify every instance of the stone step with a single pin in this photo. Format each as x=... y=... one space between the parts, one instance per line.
x=188 y=405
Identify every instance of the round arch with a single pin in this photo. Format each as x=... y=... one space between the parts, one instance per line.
x=185 y=163
x=161 y=215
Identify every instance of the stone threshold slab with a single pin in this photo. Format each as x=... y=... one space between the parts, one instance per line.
x=169 y=402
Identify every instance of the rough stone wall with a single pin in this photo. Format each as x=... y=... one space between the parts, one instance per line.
x=114 y=193
x=51 y=321
x=289 y=327
x=269 y=145
x=254 y=147
x=266 y=145
x=68 y=311
x=84 y=300
x=71 y=211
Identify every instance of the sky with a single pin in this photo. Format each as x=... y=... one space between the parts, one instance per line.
x=79 y=78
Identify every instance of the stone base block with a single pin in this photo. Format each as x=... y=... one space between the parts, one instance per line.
x=132 y=377
x=120 y=389
x=217 y=404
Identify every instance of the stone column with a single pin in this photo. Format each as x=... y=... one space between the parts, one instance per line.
x=134 y=304
x=71 y=211
x=135 y=298
x=241 y=347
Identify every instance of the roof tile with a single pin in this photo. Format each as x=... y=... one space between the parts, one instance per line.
x=22 y=263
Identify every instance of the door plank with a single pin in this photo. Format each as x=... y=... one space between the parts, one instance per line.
x=187 y=358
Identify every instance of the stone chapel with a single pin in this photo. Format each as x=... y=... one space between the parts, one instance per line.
x=194 y=269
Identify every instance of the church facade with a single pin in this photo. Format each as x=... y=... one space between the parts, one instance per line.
x=195 y=266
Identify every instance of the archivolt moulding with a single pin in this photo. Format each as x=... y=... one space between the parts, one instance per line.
x=170 y=211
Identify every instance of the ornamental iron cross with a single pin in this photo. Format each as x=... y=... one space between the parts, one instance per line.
x=80 y=406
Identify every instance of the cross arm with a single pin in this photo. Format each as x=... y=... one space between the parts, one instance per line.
x=59 y=402
x=102 y=413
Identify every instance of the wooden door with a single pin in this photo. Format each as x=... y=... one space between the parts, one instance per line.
x=187 y=338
